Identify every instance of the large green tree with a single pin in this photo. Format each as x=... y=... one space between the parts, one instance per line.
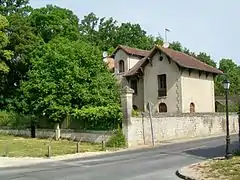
x=22 y=41
x=65 y=76
x=9 y=7
x=5 y=55
x=232 y=72
x=52 y=21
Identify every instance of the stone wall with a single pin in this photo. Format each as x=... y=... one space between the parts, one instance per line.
x=89 y=136
x=177 y=127
x=137 y=130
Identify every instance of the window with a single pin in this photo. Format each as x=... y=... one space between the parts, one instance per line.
x=192 y=108
x=162 y=107
x=134 y=85
x=121 y=66
x=162 y=85
x=135 y=108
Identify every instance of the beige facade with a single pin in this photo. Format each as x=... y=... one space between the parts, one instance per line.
x=187 y=89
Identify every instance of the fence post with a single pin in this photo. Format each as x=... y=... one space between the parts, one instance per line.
x=57 y=132
x=150 y=116
x=49 y=151
x=78 y=147
x=143 y=127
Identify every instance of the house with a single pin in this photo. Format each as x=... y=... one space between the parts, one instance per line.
x=109 y=61
x=171 y=80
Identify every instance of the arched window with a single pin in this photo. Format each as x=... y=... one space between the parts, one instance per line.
x=135 y=108
x=162 y=107
x=192 y=108
x=121 y=66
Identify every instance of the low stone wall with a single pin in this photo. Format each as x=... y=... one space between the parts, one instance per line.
x=169 y=127
x=89 y=136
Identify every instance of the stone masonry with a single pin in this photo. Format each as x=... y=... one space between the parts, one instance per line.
x=137 y=130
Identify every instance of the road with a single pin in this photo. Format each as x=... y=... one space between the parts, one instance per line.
x=158 y=163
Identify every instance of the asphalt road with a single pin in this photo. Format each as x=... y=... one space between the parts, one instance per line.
x=158 y=163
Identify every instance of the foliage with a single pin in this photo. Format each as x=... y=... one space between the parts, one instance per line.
x=52 y=21
x=9 y=7
x=14 y=120
x=135 y=113
x=22 y=42
x=51 y=64
x=117 y=140
x=106 y=34
x=61 y=81
x=4 y=54
x=100 y=117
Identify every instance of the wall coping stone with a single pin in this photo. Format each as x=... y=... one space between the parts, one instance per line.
x=162 y=115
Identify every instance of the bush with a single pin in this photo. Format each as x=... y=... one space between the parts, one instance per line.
x=6 y=118
x=14 y=120
x=135 y=113
x=117 y=140
x=99 y=118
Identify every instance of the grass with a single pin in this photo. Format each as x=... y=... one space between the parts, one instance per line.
x=222 y=169
x=13 y=146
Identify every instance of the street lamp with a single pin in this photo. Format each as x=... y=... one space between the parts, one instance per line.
x=226 y=85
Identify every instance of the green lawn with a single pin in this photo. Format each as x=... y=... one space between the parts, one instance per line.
x=222 y=169
x=27 y=147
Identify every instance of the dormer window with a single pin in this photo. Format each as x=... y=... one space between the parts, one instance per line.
x=121 y=66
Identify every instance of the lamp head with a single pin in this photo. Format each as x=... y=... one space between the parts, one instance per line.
x=226 y=84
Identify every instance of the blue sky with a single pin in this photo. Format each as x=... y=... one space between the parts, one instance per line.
x=210 y=26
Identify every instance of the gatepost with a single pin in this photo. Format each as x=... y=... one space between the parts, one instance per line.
x=126 y=104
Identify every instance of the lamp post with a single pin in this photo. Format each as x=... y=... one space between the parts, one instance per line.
x=226 y=85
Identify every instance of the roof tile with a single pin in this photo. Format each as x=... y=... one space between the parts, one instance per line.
x=180 y=58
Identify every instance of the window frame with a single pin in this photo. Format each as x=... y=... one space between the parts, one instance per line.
x=162 y=106
x=162 y=85
x=134 y=85
x=121 y=65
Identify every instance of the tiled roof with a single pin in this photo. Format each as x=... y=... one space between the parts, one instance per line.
x=132 y=51
x=110 y=62
x=180 y=58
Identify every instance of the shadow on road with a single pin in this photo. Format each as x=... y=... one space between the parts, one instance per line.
x=212 y=152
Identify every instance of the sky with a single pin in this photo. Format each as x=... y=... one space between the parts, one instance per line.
x=209 y=26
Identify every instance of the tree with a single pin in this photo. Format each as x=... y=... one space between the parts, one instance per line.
x=134 y=36
x=52 y=21
x=206 y=59
x=107 y=35
x=89 y=28
x=9 y=7
x=177 y=46
x=231 y=70
x=66 y=76
x=22 y=41
x=5 y=55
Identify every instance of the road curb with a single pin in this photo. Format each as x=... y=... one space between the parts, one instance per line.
x=188 y=173
x=183 y=176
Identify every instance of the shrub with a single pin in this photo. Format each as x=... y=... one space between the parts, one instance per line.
x=14 y=120
x=117 y=140
x=99 y=118
x=135 y=113
x=6 y=118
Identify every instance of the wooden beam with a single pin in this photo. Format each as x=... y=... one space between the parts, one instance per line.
x=199 y=73
x=207 y=74
x=189 y=72
x=169 y=59
x=180 y=69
